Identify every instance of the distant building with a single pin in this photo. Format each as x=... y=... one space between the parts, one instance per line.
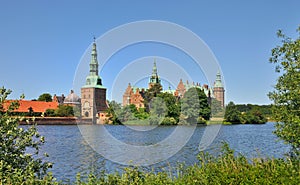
x=93 y=93
x=72 y=99
x=59 y=99
x=134 y=95
x=219 y=91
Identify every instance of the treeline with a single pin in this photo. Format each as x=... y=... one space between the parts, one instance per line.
x=265 y=110
x=163 y=108
x=247 y=113
x=63 y=111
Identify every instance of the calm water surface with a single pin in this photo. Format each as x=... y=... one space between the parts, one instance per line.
x=71 y=154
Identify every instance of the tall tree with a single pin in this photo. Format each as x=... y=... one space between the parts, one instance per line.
x=172 y=105
x=232 y=114
x=152 y=92
x=216 y=108
x=45 y=97
x=194 y=105
x=286 y=93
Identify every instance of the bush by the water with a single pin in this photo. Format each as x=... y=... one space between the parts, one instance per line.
x=252 y=115
x=223 y=169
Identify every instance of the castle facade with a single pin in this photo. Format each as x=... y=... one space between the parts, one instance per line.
x=134 y=95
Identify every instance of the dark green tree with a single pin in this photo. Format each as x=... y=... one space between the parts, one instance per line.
x=216 y=108
x=45 y=97
x=286 y=94
x=232 y=114
x=112 y=111
x=141 y=114
x=127 y=113
x=254 y=117
x=152 y=92
x=194 y=105
x=64 y=111
x=172 y=105
x=158 y=110
x=49 y=113
x=30 y=111
x=16 y=165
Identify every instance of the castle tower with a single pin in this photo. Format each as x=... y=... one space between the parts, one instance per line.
x=218 y=89
x=127 y=95
x=154 y=79
x=93 y=94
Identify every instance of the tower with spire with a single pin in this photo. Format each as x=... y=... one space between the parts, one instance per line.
x=154 y=79
x=93 y=93
x=218 y=89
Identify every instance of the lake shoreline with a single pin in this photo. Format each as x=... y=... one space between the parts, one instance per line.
x=88 y=121
x=56 y=121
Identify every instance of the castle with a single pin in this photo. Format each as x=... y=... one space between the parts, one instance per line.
x=93 y=104
x=134 y=95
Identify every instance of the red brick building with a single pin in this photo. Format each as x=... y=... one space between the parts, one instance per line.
x=133 y=95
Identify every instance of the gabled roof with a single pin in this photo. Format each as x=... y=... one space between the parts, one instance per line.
x=37 y=106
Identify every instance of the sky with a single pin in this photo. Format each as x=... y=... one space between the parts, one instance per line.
x=44 y=43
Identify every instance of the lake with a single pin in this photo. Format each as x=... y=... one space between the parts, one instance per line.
x=110 y=148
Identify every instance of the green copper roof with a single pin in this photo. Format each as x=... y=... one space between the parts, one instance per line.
x=93 y=79
x=154 y=77
x=218 y=82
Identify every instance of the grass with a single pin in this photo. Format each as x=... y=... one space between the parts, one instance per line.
x=223 y=169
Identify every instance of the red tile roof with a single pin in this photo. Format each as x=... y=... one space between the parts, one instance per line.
x=37 y=106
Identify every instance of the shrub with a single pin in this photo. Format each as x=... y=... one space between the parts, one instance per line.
x=17 y=166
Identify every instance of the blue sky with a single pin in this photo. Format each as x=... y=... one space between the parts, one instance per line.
x=42 y=42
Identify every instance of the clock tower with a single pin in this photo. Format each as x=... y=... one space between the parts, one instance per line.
x=93 y=93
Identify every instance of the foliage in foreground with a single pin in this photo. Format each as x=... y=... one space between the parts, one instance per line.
x=286 y=94
x=223 y=169
x=16 y=165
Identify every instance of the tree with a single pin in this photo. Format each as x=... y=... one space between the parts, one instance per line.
x=232 y=114
x=286 y=93
x=64 y=111
x=16 y=165
x=172 y=105
x=112 y=111
x=45 y=97
x=194 y=105
x=50 y=113
x=158 y=111
x=216 y=108
x=152 y=92
x=127 y=113
x=254 y=117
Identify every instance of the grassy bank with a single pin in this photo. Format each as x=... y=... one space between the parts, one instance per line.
x=223 y=169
